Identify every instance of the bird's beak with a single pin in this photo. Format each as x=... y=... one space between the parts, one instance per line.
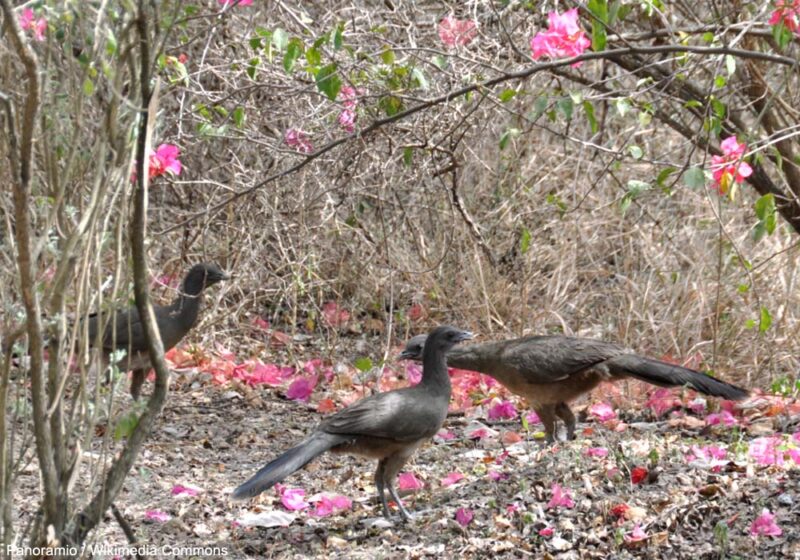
x=405 y=355
x=466 y=335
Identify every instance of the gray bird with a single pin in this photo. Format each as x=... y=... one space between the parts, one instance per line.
x=125 y=331
x=388 y=426
x=550 y=371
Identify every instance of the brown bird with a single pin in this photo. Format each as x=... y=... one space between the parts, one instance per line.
x=551 y=371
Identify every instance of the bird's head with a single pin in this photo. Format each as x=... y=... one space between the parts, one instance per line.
x=201 y=276
x=413 y=349
x=444 y=338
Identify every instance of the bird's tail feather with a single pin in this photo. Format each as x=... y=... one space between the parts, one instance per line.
x=294 y=459
x=669 y=375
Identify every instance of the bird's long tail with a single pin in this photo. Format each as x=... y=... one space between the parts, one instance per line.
x=669 y=375
x=294 y=459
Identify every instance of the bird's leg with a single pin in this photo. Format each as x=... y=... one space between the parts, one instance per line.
x=392 y=467
x=565 y=413
x=137 y=380
x=547 y=414
x=379 y=472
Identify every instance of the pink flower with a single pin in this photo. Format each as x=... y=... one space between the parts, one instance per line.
x=155 y=515
x=301 y=389
x=407 y=481
x=347 y=120
x=563 y=38
x=533 y=418
x=546 y=532
x=729 y=166
x=602 y=412
x=299 y=140
x=765 y=450
x=28 y=22
x=636 y=535
x=327 y=505
x=561 y=497
x=444 y=435
x=725 y=418
x=164 y=160
x=788 y=13
x=504 y=409
x=349 y=96
x=292 y=498
x=698 y=405
x=600 y=452
x=764 y=525
x=225 y=3
x=661 y=401
x=179 y=489
x=414 y=376
x=454 y=32
x=451 y=479
x=710 y=456
x=638 y=474
x=479 y=433
x=334 y=315
x=464 y=516
x=497 y=476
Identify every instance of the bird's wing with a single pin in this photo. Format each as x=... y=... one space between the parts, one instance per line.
x=401 y=415
x=549 y=359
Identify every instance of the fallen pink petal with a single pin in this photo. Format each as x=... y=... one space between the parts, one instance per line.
x=602 y=411
x=180 y=489
x=561 y=497
x=407 y=481
x=157 y=516
x=636 y=535
x=301 y=389
x=451 y=479
x=502 y=410
x=464 y=516
x=327 y=505
x=546 y=532
x=455 y=32
x=765 y=526
x=599 y=452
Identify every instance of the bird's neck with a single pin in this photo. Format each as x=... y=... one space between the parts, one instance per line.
x=467 y=357
x=187 y=308
x=435 y=378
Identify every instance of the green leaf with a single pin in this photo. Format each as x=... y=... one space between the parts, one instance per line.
x=387 y=56
x=598 y=9
x=623 y=106
x=539 y=107
x=293 y=51
x=391 y=105
x=525 y=241
x=256 y=43
x=635 y=188
x=663 y=175
x=419 y=79
x=408 y=156
x=720 y=82
x=588 y=109
x=694 y=178
x=363 y=364
x=328 y=81
x=280 y=39
x=238 y=117
x=635 y=151
x=126 y=425
x=692 y=104
x=782 y=35
x=506 y=137
x=338 y=37
x=88 y=87
x=313 y=57
x=507 y=95
x=566 y=106
x=765 y=321
x=252 y=66
x=708 y=37
x=767 y=216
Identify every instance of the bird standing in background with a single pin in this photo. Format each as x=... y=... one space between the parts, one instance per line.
x=551 y=371
x=124 y=331
x=388 y=426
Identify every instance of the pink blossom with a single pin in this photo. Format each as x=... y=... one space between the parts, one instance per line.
x=464 y=516
x=260 y=323
x=698 y=405
x=497 y=476
x=39 y=29
x=347 y=120
x=349 y=96
x=546 y=532
x=532 y=418
x=710 y=456
x=563 y=38
x=451 y=479
x=156 y=515
x=292 y=499
x=729 y=166
x=454 y=32
x=479 y=433
x=765 y=450
x=504 y=409
x=25 y=19
x=414 y=375
x=600 y=452
x=445 y=435
x=602 y=411
x=327 y=505
x=179 y=489
x=796 y=435
x=301 y=389
x=636 y=535
x=163 y=159
x=28 y=22
x=334 y=315
x=296 y=138
x=764 y=525
x=224 y=3
x=511 y=509
x=407 y=481
x=787 y=12
x=562 y=497
x=725 y=418
x=661 y=401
